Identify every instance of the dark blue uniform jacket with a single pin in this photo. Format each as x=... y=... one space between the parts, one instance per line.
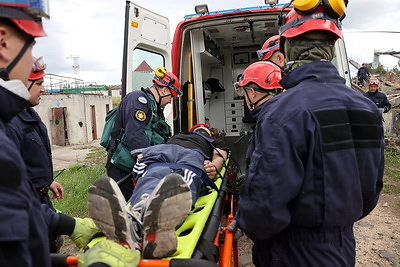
x=24 y=222
x=30 y=135
x=380 y=100
x=316 y=156
x=132 y=103
x=363 y=72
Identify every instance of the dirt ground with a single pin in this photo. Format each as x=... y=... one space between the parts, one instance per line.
x=377 y=237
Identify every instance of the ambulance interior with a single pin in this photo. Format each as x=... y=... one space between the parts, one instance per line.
x=214 y=54
x=218 y=53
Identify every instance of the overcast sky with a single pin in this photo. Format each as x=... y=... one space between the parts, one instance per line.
x=93 y=30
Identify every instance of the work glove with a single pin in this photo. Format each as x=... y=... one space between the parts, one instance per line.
x=110 y=253
x=84 y=231
x=232 y=227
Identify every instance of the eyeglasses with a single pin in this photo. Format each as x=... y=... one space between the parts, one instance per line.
x=240 y=89
x=39 y=65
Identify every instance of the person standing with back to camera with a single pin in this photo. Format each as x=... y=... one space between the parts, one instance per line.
x=318 y=160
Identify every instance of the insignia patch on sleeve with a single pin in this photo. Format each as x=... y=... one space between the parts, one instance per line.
x=142 y=99
x=140 y=115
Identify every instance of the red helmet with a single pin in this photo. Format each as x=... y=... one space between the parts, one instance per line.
x=199 y=125
x=297 y=24
x=199 y=128
x=269 y=47
x=168 y=79
x=26 y=15
x=374 y=80
x=38 y=69
x=263 y=73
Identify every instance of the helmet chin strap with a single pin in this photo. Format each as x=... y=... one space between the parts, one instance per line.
x=4 y=72
x=253 y=105
x=282 y=68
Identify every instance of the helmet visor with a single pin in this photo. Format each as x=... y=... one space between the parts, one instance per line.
x=35 y=8
x=262 y=53
x=39 y=65
x=239 y=90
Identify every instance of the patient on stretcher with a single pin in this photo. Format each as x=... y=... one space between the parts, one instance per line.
x=168 y=181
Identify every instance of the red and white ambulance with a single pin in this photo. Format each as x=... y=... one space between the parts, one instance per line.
x=210 y=49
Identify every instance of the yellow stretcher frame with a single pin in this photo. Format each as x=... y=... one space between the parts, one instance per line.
x=189 y=233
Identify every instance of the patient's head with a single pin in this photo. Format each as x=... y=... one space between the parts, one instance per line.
x=203 y=129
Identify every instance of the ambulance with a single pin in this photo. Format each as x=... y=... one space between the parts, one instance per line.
x=209 y=51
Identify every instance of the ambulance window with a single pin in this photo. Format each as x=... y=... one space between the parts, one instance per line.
x=143 y=64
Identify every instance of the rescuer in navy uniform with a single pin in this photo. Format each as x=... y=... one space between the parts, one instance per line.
x=140 y=115
x=377 y=97
x=362 y=74
x=318 y=160
x=26 y=223
x=30 y=135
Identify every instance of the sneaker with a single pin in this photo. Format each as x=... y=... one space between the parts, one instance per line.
x=108 y=209
x=135 y=214
x=166 y=208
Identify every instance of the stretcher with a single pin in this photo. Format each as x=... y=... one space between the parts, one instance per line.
x=203 y=238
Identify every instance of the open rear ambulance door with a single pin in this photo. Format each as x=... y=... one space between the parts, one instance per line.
x=147 y=45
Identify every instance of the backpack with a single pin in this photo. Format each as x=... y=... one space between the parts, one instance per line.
x=108 y=127
x=114 y=141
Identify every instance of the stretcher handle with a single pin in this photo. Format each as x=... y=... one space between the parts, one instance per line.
x=177 y=263
x=125 y=178
x=63 y=260
x=192 y=263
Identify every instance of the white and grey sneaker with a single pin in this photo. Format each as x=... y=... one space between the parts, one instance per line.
x=108 y=209
x=167 y=206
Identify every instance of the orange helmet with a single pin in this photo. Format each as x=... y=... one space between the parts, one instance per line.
x=165 y=78
x=26 y=15
x=263 y=73
x=269 y=47
x=297 y=24
x=374 y=81
x=38 y=69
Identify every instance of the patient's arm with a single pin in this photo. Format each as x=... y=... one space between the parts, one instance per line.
x=217 y=162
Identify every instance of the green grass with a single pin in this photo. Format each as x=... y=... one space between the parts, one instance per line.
x=76 y=181
x=392 y=172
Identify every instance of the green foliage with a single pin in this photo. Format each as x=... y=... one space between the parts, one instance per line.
x=380 y=70
x=76 y=181
x=116 y=101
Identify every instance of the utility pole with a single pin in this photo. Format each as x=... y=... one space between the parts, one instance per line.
x=75 y=65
